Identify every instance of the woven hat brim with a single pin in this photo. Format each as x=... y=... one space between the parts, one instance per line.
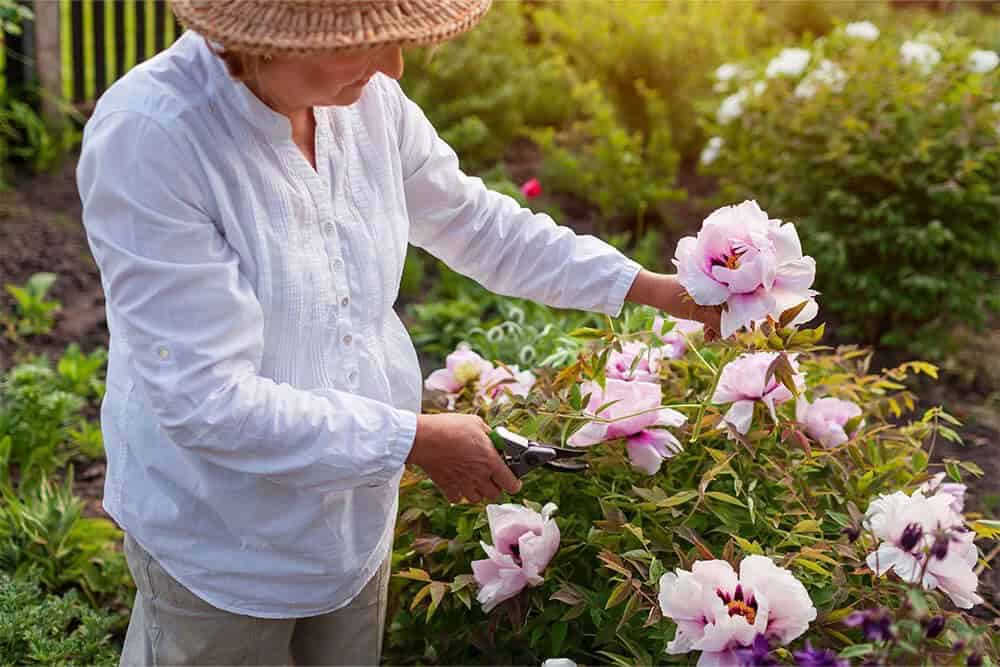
x=303 y=27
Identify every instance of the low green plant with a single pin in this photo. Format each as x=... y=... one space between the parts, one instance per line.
x=82 y=374
x=40 y=628
x=891 y=171
x=35 y=415
x=44 y=534
x=33 y=312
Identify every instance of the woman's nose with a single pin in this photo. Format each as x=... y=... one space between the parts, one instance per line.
x=390 y=62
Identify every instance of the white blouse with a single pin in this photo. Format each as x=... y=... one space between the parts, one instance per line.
x=262 y=393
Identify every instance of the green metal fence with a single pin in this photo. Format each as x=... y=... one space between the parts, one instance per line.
x=100 y=40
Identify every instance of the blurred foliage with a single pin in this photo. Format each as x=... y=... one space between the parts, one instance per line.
x=33 y=312
x=482 y=90
x=892 y=177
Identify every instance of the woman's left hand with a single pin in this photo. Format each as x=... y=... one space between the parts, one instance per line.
x=664 y=292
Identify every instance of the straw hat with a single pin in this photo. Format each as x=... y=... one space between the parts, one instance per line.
x=302 y=27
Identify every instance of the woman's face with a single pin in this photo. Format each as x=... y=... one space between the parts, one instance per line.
x=326 y=80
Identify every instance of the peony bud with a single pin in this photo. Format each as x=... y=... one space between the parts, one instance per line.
x=934 y=626
x=531 y=189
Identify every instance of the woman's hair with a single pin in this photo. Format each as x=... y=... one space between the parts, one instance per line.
x=241 y=66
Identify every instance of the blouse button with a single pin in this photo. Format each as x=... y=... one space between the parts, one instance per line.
x=329 y=228
x=338 y=264
x=344 y=302
x=163 y=352
x=347 y=339
x=352 y=376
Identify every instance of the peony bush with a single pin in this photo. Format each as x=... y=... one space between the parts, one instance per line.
x=884 y=146
x=764 y=499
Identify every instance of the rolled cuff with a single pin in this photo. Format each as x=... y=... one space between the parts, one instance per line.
x=620 y=287
x=400 y=444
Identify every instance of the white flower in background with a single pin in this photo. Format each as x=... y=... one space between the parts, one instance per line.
x=711 y=150
x=718 y=612
x=920 y=54
x=865 y=30
x=827 y=73
x=728 y=71
x=790 y=62
x=558 y=662
x=981 y=61
x=732 y=107
x=724 y=75
x=911 y=530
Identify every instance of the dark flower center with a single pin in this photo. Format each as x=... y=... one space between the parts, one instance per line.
x=740 y=605
x=910 y=537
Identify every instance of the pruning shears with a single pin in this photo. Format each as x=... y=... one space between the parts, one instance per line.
x=523 y=455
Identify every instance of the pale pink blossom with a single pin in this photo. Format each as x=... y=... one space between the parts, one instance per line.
x=717 y=612
x=462 y=367
x=635 y=362
x=646 y=438
x=499 y=383
x=675 y=341
x=749 y=262
x=743 y=384
x=907 y=528
x=824 y=420
x=524 y=541
x=936 y=486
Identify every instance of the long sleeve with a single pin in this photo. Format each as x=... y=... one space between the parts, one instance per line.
x=489 y=237
x=194 y=326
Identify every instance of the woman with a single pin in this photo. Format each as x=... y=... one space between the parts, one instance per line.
x=249 y=195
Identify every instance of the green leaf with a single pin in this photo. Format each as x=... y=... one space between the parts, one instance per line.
x=725 y=497
x=678 y=499
x=619 y=594
x=558 y=636
x=857 y=650
x=951 y=468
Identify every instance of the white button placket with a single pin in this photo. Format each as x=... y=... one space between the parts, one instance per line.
x=346 y=356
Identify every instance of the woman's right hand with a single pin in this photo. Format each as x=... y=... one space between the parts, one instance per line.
x=455 y=450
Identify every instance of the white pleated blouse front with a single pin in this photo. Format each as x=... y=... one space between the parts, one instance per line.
x=262 y=393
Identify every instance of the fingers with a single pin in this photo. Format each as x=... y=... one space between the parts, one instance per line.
x=490 y=490
x=503 y=477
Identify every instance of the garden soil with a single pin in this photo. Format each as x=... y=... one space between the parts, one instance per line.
x=40 y=230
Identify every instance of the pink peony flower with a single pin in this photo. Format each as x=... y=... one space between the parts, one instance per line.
x=499 y=383
x=646 y=439
x=751 y=263
x=908 y=527
x=717 y=612
x=674 y=343
x=937 y=486
x=742 y=384
x=824 y=420
x=524 y=541
x=462 y=367
x=647 y=369
x=531 y=189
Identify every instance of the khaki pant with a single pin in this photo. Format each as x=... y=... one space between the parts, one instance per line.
x=172 y=626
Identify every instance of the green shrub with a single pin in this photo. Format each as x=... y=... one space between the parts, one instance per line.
x=668 y=47
x=39 y=628
x=624 y=173
x=483 y=89
x=773 y=491
x=892 y=175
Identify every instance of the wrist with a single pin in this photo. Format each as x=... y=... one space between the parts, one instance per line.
x=659 y=290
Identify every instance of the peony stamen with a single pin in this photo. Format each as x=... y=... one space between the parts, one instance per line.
x=740 y=608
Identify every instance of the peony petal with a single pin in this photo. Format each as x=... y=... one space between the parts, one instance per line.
x=740 y=416
x=743 y=309
x=789 y=607
x=442 y=380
